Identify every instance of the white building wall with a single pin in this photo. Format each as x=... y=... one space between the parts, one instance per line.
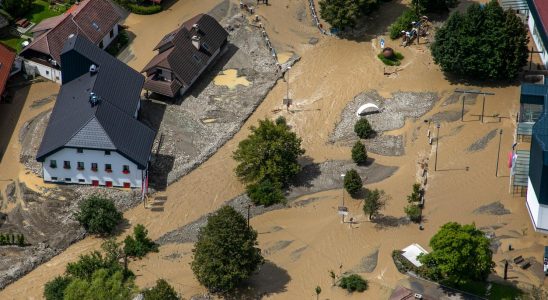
x=45 y=71
x=538 y=212
x=117 y=161
x=107 y=39
x=537 y=40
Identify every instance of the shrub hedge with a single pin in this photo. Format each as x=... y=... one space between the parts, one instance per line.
x=144 y=10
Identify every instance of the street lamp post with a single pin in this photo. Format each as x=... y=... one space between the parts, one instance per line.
x=287 y=81
x=342 y=175
x=437 y=146
x=498 y=154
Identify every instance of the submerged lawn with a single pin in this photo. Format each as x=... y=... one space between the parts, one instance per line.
x=492 y=290
x=12 y=42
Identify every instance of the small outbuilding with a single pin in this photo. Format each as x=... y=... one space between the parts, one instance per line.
x=412 y=252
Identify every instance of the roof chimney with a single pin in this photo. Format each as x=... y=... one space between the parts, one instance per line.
x=93 y=69
x=94 y=99
x=196 y=27
x=196 y=41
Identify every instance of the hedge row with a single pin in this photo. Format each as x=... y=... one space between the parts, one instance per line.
x=144 y=10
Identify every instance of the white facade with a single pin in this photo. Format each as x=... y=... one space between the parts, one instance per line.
x=116 y=177
x=45 y=71
x=538 y=212
x=54 y=74
x=538 y=41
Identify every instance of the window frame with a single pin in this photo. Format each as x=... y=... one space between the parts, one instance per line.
x=80 y=165
x=53 y=163
x=66 y=164
x=108 y=168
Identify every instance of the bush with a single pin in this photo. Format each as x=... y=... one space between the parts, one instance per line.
x=433 y=5
x=403 y=23
x=353 y=283
x=413 y=212
x=102 y=285
x=353 y=182
x=225 y=254
x=118 y=44
x=359 y=153
x=374 y=201
x=139 y=244
x=161 y=291
x=144 y=9
x=341 y=14
x=98 y=215
x=55 y=289
x=392 y=61
x=265 y=193
x=363 y=129
x=416 y=194
x=485 y=43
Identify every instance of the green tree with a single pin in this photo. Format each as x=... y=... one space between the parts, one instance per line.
x=318 y=291
x=414 y=212
x=353 y=283
x=403 y=23
x=265 y=193
x=226 y=253
x=102 y=286
x=353 y=182
x=17 y=8
x=359 y=153
x=374 y=201
x=98 y=215
x=416 y=194
x=485 y=43
x=161 y=291
x=269 y=152
x=55 y=289
x=343 y=14
x=363 y=129
x=459 y=253
x=139 y=244
x=423 y=6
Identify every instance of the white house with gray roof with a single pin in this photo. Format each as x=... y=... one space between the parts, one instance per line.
x=93 y=135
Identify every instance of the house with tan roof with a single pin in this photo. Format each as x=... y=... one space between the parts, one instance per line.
x=96 y=20
x=183 y=55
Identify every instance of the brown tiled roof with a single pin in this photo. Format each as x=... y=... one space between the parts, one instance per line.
x=91 y=18
x=6 y=62
x=182 y=58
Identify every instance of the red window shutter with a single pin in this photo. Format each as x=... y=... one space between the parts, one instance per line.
x=127 y=185
x=95 y=182
x=109 y=183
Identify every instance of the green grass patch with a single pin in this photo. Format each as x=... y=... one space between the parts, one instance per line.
x=393 y=61
x=41 y=10
x=12 y=42
x=492 y=290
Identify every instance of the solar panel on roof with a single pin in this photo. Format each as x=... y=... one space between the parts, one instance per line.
x=95 y=26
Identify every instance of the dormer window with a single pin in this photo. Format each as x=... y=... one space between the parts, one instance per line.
x=79 y=150
x=196 y=58
x=206 y=46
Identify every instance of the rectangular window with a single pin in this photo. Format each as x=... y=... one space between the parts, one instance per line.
x=111 y=33
x=47 y=72
x=127 y=185
x=54 y=178
x=94 y=167
x=196 y=58
x=68 y=179
x=95 y=182
x=107 y=152
x=79 y=150
x=108 y=168
x=125 y=169
x=206 y=46
x=66 y=164
x=108 y=183
x=53 y=164
x=82 y=180
x=80 y=165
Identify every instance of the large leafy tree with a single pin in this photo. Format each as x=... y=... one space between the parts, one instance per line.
x=270 y=152
x=459 y=253
x=226 y=253
x=374 y=201
x=422 y=6
x=343 y=14
x=102 y=286
x=161 y=291
x=486 y=42
x=98 y=215
x=16 y=8
x=139 y=244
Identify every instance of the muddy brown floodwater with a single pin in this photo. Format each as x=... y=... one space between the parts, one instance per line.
x=304 y=242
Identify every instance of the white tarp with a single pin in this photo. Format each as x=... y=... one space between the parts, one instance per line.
x=412 y=251
x=367 y=108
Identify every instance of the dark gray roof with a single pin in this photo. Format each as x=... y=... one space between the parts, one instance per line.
x=183 y=58
x=110 y=124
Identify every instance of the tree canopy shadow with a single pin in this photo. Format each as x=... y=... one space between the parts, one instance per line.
x=385 y=222
x=270 y=279
x=309 y=172
x=159 y=170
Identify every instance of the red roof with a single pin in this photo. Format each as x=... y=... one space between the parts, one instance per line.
x=6 y=62
x=542 y=10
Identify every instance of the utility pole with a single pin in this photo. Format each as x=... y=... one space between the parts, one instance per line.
x=475 y=93
x=287 y=101
x=248 y=214
x=343 y=175
x=437 y=146
x=531 y=57
x=498 y=154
